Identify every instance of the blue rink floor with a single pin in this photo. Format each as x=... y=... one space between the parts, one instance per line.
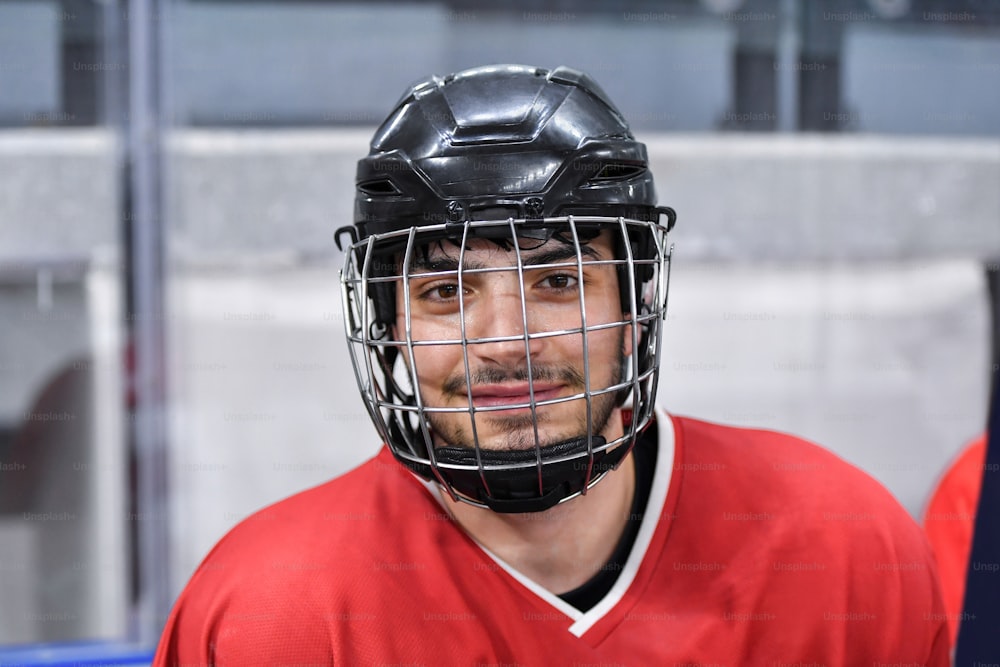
x=83 y=654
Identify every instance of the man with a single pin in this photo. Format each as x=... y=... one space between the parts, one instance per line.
x=504 y=292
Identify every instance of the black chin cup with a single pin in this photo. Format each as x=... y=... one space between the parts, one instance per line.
x=515 y=490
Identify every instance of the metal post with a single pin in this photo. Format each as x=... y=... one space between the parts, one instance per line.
x=819 y=69
x=755 y=68
x=144 y=211
x=787 y=83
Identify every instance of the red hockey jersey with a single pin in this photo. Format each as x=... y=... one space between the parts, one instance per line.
x=950 y=521
x=756 y=549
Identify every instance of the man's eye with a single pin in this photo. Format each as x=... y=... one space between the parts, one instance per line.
x=446 y=291
x=559 y=281
x=442 y=292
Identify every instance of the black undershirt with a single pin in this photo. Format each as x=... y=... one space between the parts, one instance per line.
x=590 y=592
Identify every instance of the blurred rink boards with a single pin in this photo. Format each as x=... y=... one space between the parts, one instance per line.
x=832 y=287
x=828 y=286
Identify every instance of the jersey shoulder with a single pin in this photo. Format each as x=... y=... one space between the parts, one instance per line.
x=349 y=506
x=323 y=554
x=771 y=467
x=795 y=550
x=781 y=488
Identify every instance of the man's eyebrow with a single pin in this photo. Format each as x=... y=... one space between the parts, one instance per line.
x=423 y=264
x=553 y=255
x=560 y=253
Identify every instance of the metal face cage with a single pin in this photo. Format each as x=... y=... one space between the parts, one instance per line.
x=492 y=355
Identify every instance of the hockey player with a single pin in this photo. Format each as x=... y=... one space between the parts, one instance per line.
x=504 y=292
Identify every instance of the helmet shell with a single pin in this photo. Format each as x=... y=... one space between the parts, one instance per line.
x=504 y=141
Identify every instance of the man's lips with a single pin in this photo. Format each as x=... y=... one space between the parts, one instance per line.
x=513 y=394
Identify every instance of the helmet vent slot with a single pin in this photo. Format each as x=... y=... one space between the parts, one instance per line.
x=380 y=188
x=618 y=172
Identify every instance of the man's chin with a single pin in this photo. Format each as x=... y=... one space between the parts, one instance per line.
x=513 y=440
x=507 y=430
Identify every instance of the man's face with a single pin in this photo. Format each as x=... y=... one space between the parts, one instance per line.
x=492 y=306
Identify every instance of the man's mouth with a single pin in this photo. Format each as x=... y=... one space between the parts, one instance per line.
x=513 y=394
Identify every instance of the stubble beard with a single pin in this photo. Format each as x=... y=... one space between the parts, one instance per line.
x=517 y=432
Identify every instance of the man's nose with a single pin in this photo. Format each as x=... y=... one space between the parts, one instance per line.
x=501 y=315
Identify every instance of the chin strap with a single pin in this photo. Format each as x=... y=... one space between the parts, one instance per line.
x=514 y=488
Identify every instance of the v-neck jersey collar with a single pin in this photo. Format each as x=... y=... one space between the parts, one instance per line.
x=651 y=522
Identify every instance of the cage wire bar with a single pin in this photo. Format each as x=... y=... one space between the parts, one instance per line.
x=144 y=215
